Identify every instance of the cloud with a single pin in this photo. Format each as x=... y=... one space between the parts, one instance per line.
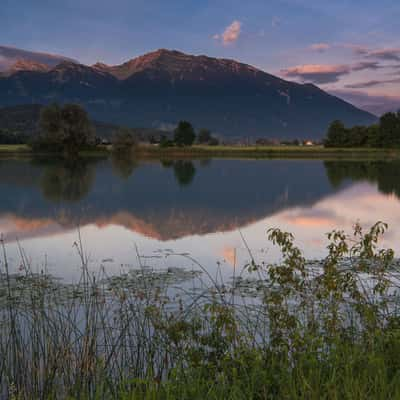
x=363 y=65
x=376 y=104
x=320 y=47
x=357 y=49
x=327 y=73
x=261 y=33
x=231 y=33
x=317 y=73
x=6 y=63
x=372 y=83
x=385 y=54
x=9 y=55
x=275 y=22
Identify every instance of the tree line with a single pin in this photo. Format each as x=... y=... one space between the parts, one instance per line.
x=185 y=135
x=8 y=137
x=386 y=133
x=67 y=129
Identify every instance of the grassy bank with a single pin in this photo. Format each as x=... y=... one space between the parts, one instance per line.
x=265 y=152
x=293 y=330
x=199 y=151
x=14 y=149
x=25 y=150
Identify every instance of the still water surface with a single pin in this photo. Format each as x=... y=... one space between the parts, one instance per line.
x=203 y=208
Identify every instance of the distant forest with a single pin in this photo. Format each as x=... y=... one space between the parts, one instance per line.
x=386 y=133
x=20 y=124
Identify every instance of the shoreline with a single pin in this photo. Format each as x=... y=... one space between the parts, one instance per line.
x=200 y=151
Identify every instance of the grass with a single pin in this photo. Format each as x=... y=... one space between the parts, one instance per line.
x=323 y=331
x=265 y=151
x=25 y=150
x=201 y=151
x=14 y=148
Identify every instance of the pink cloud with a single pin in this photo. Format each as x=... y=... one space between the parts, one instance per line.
x=327 y=73
x=231 y=33
x=385 y=54
x=317 y=73
x=320 y=47
x=376 y=104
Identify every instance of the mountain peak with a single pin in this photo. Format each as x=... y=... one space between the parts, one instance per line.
x=164 y=86
x=9 y=56
x=26 y=65
x=177 y=65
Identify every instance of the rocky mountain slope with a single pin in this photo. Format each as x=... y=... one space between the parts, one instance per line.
x=10 y=56
x=160 y=88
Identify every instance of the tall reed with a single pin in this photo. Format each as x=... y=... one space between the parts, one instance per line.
x=294 y=329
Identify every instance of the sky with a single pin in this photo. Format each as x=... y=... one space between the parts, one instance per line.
x=348 y=47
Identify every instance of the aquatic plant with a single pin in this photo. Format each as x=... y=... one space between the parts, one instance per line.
x=295 y=329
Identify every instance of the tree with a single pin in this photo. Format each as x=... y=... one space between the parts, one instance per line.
x=213 y=141
x=337 y=135
x=357 y=136
x=123 y=141
x=390 y=129
x=66 y=128
x=50 y=122
x=204 y=136
x=165 y=142
x=373 y=136
x=184 y=134
x=77 y=131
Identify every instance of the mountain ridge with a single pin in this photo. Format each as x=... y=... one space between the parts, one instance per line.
x=9 y=56
x=162 y=87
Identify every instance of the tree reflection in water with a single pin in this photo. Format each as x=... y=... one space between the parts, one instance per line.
x=67 y=180
x=123 y=164
x=386 y=174
x=184 y=170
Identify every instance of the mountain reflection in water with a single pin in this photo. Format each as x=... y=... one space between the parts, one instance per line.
x=188 y=202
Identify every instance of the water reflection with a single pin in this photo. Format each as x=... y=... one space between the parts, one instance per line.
x=123 y=164
x=67 y=180
x=165 y=201
x=184 y=170
x=385 y=174
x=191 y=206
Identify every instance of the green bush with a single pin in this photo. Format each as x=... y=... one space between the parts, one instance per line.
x=123 y=141
x=300 y=330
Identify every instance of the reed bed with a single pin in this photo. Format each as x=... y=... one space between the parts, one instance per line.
x=289 y=330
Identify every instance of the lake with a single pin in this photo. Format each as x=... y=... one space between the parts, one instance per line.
x=211 y=210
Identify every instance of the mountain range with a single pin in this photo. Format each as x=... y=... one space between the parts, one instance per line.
x=12 y=60
x=162 y=87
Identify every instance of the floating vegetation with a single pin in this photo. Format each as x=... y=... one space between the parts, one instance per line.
x=296 y=329
x=145 y=278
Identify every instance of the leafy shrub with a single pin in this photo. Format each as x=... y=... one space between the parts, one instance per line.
x=326 y=330
x=123 y=141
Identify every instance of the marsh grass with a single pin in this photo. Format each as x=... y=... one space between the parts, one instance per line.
x=236 y=151
x=292 y=330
